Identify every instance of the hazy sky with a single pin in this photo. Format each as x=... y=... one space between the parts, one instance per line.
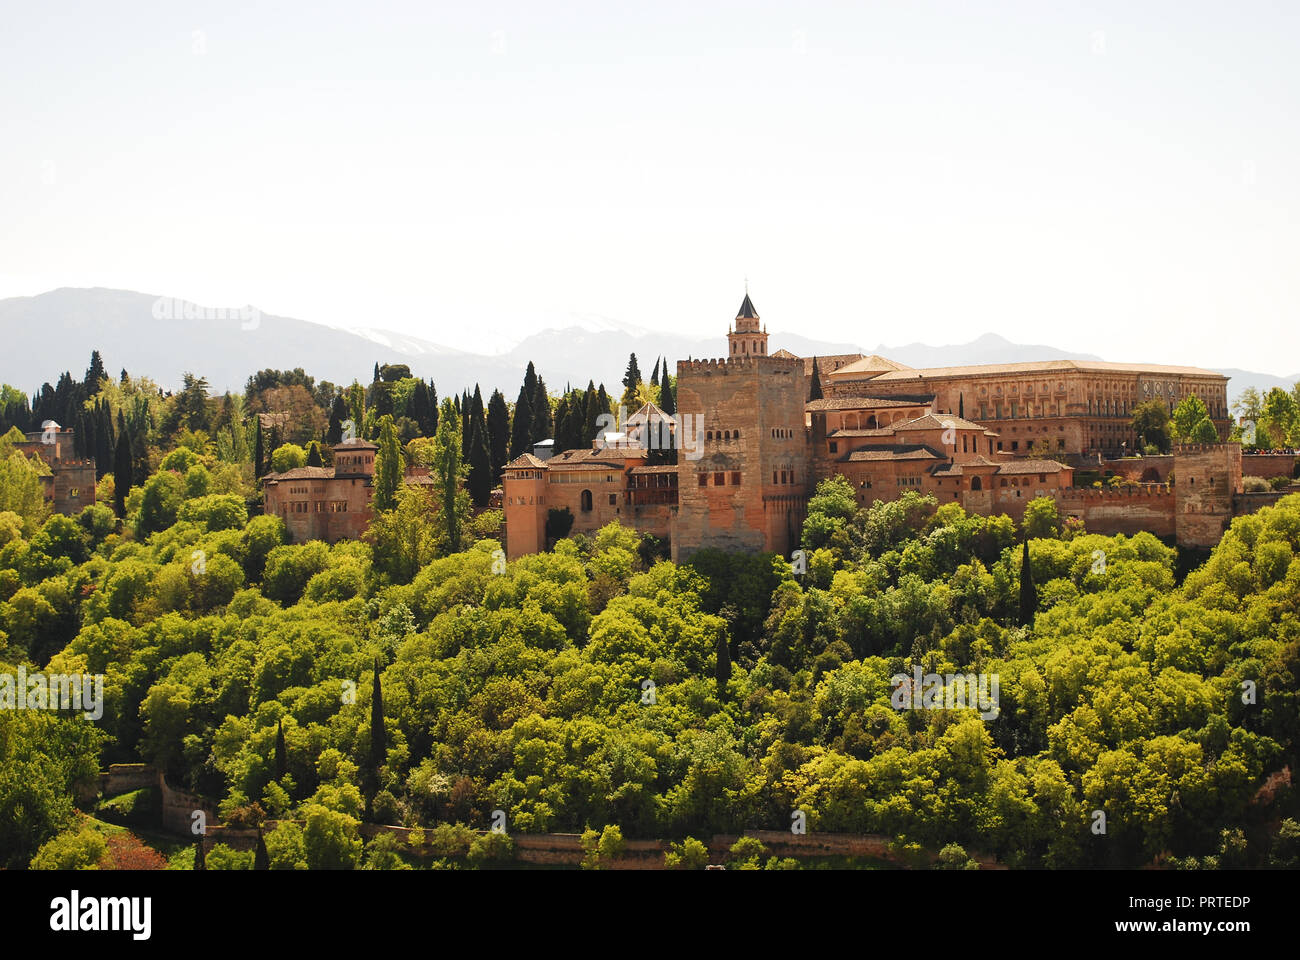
x=1119 y=178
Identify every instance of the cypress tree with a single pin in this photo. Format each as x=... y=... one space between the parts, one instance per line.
x=542 y=427
x=480 y=466
x=200 y=859
x=375 y=377
x=420 y=411
x=259 y=456
x=338 y=413
x=281 y=752
x=378 y=738
x=815 y=391
x=1028 y=592
x=631 y=380
x=313 y=455
x=122 y=472
x=961 y=405
x=667 y=402
x=522 y=425
x=498 y=431
x=602 y=406
x=94 y=373
x=433 y=408
x=722 y=668
x=654 y=377
x=562 y=424
x=590 y=411
x=261 y=859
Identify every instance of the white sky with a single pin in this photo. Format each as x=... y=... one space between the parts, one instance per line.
x=1119 y=178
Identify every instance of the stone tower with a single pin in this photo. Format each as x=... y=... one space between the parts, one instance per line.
x=1207 y=476
x=746 y=487
x=748 y=337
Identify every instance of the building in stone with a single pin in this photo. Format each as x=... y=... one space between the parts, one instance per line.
x=70 y=485
x=751 y=443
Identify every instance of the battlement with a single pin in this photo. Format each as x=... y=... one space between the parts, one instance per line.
x=725 y=365
x=1184 y=449
x=1146 y=491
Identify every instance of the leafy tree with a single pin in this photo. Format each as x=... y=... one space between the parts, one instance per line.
x=1041 y=519
x=1190 y=412
x=288 y=456
x=1151 y=424
x=388 y=467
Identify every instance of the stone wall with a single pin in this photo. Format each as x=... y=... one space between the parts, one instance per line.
x=1268 y=465
x=1128 y=510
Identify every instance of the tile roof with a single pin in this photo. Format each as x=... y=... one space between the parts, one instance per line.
x=830 y=363
x=525 y=461
x=583 y=458
x=301 y=473
x=1036 y=367
x=893 y=452
x=877 y=432
x=874 y=364
x=862 y=403
x=938 y=421
x=1032 y=466
x=747 y=310
x=662 y=468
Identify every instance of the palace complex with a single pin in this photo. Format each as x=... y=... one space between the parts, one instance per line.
x=755 y=431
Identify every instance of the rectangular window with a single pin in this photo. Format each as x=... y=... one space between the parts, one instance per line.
x=719 y=479
x=613 y=499
x=704 y=479
x=735 y=478
x=835 y=447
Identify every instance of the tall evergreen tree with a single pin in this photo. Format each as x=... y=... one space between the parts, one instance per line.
x=498 y=428
x=562 y=425
x=200 y=858
x=420 y=410
x=522 y=425
x=262 y=858
x=590 y=411
x=388 y=466
x=480 y=465
x=338 y=413
x=375 y=377
x=378 y=736
x=654 y=377
x=631 y=380
x=433 y=407
x=313 y=455
x=94 y=373
x=667 y=402
x=122 y=472
x=259 y=455
x=449 y=471
x=815 y=391
x=1028 y=592
x=281 y=752
x=542 y=427
x=722 y=666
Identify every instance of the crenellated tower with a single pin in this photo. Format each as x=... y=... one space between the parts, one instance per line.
x=745 y=485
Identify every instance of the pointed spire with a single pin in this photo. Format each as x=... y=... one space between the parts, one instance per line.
x=747 y=311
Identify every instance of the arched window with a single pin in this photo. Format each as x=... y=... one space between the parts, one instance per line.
x=586 y=501
x=975 y=483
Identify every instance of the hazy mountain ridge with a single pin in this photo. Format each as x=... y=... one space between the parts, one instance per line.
x=56 y=331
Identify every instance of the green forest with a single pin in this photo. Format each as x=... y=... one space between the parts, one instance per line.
x=416 y=679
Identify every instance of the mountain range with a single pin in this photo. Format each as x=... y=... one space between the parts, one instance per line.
x=162 y=338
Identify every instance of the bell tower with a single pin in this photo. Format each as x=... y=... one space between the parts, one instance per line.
x=748 y=337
